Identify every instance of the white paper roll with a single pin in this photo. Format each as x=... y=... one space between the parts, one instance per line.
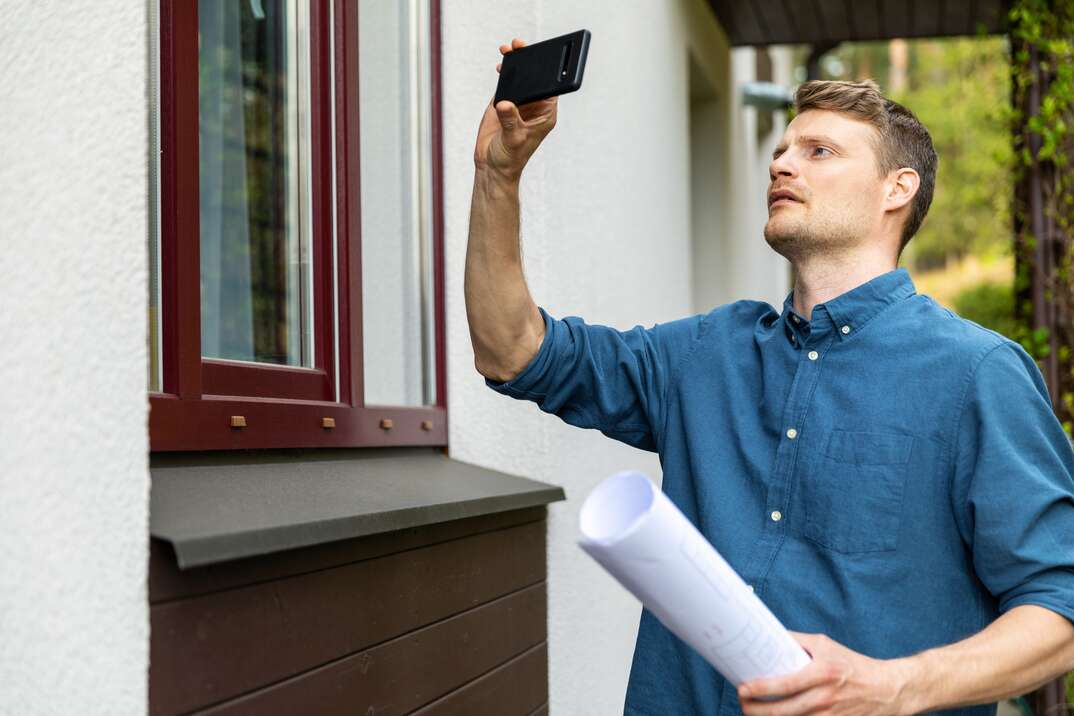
x=636 y=533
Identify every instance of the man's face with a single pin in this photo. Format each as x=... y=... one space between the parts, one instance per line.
x=824 y=194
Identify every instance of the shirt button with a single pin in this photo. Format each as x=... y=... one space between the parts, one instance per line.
x=795 y=318
x=750 y=586
x=792 y=433
x=813 y=355
x=792 y=338
x=845 y=330
x=777 y=515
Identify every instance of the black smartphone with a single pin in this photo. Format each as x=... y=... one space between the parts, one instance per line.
x=545 y=69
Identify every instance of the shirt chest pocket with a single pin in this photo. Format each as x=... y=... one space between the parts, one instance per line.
x=853 y=500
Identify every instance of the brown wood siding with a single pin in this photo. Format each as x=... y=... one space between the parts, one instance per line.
x=434 y=618
x=516 y=687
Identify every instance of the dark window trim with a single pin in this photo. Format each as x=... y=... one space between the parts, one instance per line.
x=282 y=407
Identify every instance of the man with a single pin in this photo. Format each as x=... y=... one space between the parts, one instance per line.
x=887 y=476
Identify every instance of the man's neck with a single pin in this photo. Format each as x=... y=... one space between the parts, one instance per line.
x=822 y=278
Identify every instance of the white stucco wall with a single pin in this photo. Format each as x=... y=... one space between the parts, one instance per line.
x=606 y=232
x=607 y=235
x=73 y=467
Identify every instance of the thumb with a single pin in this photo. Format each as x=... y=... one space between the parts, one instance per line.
x=510 y=119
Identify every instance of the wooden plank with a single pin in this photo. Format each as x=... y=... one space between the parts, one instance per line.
x=518 y=687
x=774 y=19
x=739 y=22
x=833 y=19
x=167 y=582
x=211 y=648
x=426 y=665
x=927 y=19
x=897 y=16
x=725 y=15
x=864 y=19
x=749 y=24
x=958 y=17
x=991 y=13
x=821 y=21
x=803 y=17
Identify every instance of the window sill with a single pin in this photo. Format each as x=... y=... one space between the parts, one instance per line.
x=215 y=507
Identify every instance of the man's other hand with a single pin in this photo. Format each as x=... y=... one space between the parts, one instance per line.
x=509 y=135
x=836 y=681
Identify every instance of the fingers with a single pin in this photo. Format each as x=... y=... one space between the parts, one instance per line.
x=504 y=49
x=813 y=674
x=804 y=703
x=515 y=45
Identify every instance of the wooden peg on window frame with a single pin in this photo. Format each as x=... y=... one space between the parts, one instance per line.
x=386 y=423
x=238 y=421
x=328 y=423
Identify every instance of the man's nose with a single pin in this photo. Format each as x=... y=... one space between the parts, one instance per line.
x=783 y=166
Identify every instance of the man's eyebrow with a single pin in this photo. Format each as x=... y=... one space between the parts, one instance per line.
x=809 y=139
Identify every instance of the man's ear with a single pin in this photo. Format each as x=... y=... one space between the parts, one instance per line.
x=901 y=187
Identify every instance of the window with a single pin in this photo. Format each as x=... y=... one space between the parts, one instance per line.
x=295 y=251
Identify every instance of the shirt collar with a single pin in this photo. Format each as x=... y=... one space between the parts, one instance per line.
x=853 y=309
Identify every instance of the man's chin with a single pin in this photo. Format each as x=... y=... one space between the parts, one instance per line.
x=784 y=237
x=778 y=231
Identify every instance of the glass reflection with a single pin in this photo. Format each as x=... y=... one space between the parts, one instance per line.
x=396 y=195
x=254 y=181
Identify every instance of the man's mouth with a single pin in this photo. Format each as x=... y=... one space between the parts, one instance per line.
x=782 y=196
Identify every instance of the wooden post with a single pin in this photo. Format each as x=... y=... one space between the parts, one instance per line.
x=1042 y=246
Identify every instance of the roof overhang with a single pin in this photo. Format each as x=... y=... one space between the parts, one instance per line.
x=818 y=22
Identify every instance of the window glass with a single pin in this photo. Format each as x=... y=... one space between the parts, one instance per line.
x=253 y=64
x=395 y=165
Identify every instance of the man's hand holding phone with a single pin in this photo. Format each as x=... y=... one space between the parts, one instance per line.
x=510 y=134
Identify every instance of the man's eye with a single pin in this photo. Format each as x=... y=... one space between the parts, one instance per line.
x=821 y=149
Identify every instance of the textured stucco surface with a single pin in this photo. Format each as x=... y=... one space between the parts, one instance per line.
x=606 y=235
x=73 y=467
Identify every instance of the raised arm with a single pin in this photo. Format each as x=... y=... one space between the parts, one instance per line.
x=506 y=328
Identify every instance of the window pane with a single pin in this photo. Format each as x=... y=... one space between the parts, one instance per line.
x=253 y=64
x=395 y=150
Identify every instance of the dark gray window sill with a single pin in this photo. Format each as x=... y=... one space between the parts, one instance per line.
x=214 y=507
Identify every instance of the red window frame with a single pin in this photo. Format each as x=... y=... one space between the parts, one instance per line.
x=208 y=404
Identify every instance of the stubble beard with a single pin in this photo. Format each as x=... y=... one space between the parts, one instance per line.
x=800 y=238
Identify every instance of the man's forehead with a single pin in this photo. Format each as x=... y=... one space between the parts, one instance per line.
x=836 y=127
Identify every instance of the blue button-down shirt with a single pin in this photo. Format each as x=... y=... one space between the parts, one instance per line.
x=886 y=473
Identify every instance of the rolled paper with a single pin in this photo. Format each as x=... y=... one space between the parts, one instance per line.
x=635 y=532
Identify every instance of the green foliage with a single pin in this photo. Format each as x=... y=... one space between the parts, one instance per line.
x=1044 y=145
x=1047 y=25
x=989 y=304
x=959 y=89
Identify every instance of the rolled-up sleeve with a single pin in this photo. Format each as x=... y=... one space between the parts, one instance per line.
x=1014 y=484
x=595 y=376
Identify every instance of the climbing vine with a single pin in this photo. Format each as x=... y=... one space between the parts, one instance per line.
x=1042 y=125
